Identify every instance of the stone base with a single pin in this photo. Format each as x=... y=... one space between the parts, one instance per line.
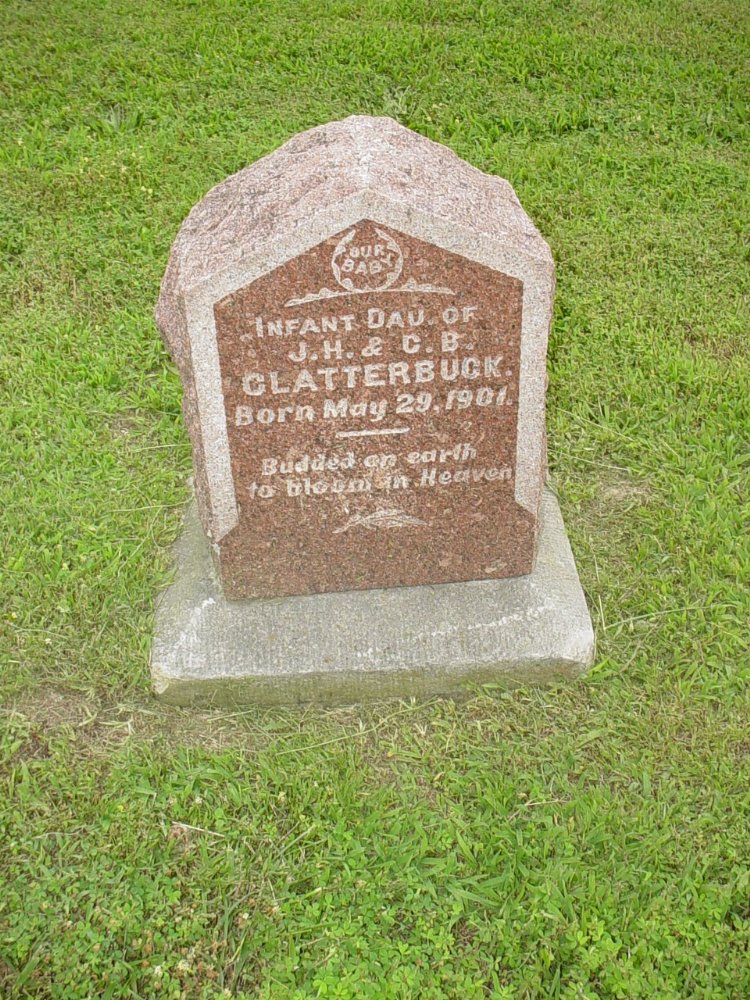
x=348 y=647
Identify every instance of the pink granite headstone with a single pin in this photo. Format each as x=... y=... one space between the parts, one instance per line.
x=360 y=322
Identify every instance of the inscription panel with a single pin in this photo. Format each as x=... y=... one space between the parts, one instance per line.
x=371 y=395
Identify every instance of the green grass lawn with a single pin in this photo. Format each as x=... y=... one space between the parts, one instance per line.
x=586 y=842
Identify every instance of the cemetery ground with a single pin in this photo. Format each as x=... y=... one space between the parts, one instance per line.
x=587 y=841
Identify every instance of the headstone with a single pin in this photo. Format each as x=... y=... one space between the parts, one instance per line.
x=360 y=322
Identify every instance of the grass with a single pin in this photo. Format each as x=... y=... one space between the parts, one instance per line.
x=584 y=842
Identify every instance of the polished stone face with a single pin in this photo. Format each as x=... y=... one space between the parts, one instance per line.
x=360 y=322
x=371 y=395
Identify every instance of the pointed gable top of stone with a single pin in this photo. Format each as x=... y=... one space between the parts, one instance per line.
x=321 y=168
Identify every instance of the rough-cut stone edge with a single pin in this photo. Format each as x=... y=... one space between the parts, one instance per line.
x=325 y=164
x=317 y=184
x=354 y=646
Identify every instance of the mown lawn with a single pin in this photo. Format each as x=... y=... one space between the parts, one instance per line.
x=586 y=842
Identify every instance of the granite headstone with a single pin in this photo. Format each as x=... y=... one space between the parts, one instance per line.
x=360 y=321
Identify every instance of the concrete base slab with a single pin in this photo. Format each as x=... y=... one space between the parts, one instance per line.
x=349 y=647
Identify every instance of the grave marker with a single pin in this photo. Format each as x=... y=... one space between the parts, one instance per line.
x=360 y=321
x=368 y=369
